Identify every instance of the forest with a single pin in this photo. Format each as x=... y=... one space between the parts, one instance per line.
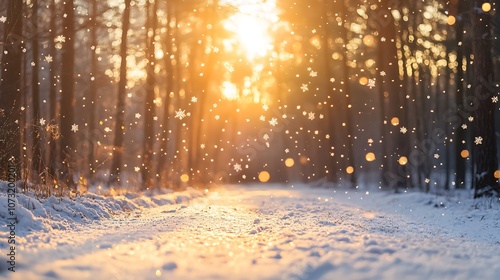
x=147 y=94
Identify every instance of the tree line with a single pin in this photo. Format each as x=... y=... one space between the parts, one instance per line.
x=400 y=94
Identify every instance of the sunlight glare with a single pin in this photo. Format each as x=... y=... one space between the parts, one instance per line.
x=251 y=26
x=229 y=90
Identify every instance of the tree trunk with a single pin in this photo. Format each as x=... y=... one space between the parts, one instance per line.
x=10 y=92
x=165 y=134
x=35 y=93
x=149 y=108
x=92 y=90
x=460 y=162
x=67 y=92
x=120 y=107
x=485 y=151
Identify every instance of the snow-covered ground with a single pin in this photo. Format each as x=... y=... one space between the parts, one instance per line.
x=257 y=232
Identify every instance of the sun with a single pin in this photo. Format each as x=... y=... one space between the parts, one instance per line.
x=251 y=26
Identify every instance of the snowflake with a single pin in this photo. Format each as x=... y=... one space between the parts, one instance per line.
x=60 y=39
x=202 y=146
x=273 y=122
x=403 y=130
x=137 y=116
x=382 y=73
x=436 y=156
x=370 y=141
x=265 y=107
x=464 y=126
x=332 y=80
x=262 y=118
x=313 y=74
x=217 y=117
x=180 y=114
x=311 y=116
x=3 y=19
x=107 y=129
x=266 y=137
x=371 y=83
x=194 y=99
x=284 y=116
x=427 y=180
x=287 y=151
x=383 y=39
x=321 y=116
x=42 y=121
x=237 y=167
x=494 y=99
x=471 y=119
x=478 y=140
x=137 y=169
x=74 y=127
x=304 y=88
x=49 y=58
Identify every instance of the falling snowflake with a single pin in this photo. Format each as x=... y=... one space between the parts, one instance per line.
x=478 y=140
x=74 y=127
x=371 y=83
x=311 y=116
x=494 y=99
x=49 y=58
x=313 y=74
x=194 y=99
x=107 y=129
x=403 y=130
x=287 y=151
x=180 y=114
x=262 y=118
x=382 y=73
x=202 y=146
x=304 y=88
x=383 y=39
x=464 y=126
x=471 y=119
x=427 y=180
x=60 y=39
x=137 y=116
x=137 y=169
x=436 y=156
x=273 y=122
x=42 y=121
x=332 y=80
x=3 y=19
x=266 y=137
x=237 y=167
x=265 y=107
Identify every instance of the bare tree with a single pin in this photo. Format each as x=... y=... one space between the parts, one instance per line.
x=485 y=150
x=120 y=107
x=10 y=91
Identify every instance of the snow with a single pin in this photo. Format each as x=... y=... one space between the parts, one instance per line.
x=259 y=231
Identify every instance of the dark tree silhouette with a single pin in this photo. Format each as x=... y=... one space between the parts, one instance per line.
x=10 y=91
x=116 y=163
x=68 y=94
x=485 y=150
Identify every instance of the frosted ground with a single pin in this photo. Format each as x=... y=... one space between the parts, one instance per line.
x=257 y=232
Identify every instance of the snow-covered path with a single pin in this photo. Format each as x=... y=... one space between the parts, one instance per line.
x=270 y=233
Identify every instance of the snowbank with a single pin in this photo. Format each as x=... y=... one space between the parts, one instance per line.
x=36 y=214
